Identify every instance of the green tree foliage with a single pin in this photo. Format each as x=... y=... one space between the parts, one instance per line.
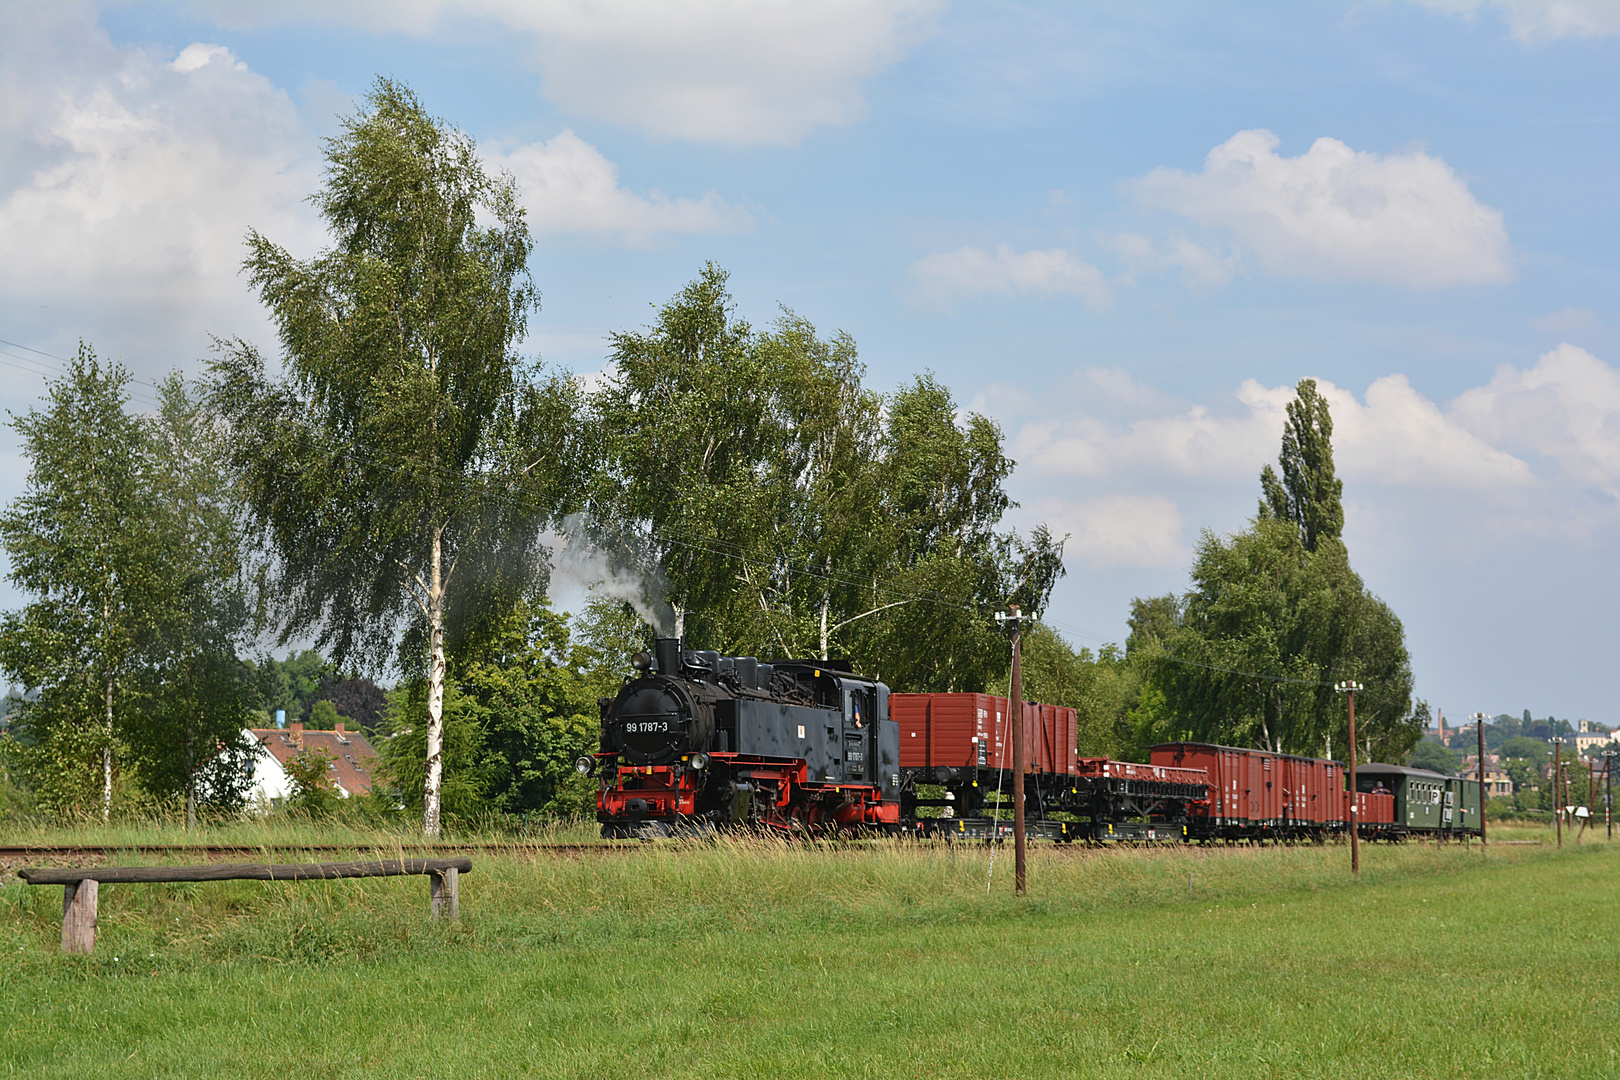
x=1532 y=750
x=1264 y=633
x=357 y=700
x=292 y=685
x=947 y=570
x=128 y=537
x=1523 y=759
x=1101 y=689
x=1309 y=494
x=403 y=466
x=81 y=541
x=1274 y=618
x=518 y=712
x=1428 y=754
x=188 y=740
x=323 y=716
x=312 y=789
x=785 y=510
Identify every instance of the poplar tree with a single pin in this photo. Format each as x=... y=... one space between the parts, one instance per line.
x=402 y=468
x=1308 y=494
x=1275 y=616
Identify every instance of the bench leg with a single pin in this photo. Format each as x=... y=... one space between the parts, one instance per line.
x=79 y=916
x=444 y=893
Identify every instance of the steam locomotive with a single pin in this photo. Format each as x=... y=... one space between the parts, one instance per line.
x=695 y=741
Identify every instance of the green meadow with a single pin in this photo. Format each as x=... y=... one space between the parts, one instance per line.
x=748 y=958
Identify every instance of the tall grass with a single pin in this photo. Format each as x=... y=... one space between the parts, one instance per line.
x=289 y=830
x=743 y=957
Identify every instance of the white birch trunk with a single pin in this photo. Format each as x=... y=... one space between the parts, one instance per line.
x=825 y=602
x=680 y=621
x=106 y=759
x=435 y=703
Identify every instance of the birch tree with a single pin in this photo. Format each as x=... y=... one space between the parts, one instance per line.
x=792 y=511
x=79 y=542
x=403 y=465
x=187 y=738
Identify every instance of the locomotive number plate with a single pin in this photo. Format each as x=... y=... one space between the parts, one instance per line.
x=646 y=727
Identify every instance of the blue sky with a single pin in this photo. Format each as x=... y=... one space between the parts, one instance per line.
x=1123 y=231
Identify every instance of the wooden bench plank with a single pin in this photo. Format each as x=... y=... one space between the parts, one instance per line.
x=244 y=871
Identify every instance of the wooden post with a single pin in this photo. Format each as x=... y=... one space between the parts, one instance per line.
x=1558 y=788
x=1020 y=764
x=1350 y=688
x=79 y=916
x=1479 y=726
x=444 y=893
x=1608 y=795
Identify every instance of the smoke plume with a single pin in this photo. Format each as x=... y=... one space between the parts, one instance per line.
x=612 y=567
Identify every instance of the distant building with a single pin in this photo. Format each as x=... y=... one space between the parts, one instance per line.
x=1587 y=740
x=1497 y=782
x=349 y=752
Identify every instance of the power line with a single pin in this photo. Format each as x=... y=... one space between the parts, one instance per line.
x=712 y=546
x=46 y=370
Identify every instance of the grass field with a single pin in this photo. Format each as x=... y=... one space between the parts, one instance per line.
x=750 y=959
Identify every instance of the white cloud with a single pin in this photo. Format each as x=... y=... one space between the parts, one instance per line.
x=567 y=187
x=729 y=71
x=200 y=54
x=1396 y=438
x=130 y=179
x=1399 y=438
x=1333 y=212
x=1118 y=530
x=1566 y=408
x=1534 y=453
x=1079 y=433
x=1202 y=267
x=1566 y=319
x=1535 y=21
x=970 y=271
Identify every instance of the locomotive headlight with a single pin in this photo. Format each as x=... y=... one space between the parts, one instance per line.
x=698 y=761
x=585 y=766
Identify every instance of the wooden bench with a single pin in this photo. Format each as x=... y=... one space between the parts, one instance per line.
x=80 y=886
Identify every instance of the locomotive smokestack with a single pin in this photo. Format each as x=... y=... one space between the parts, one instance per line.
x=667 y=651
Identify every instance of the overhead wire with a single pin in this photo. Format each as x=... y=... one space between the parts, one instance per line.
x=712 y=546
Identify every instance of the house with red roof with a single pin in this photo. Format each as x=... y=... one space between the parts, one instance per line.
x=349 y=753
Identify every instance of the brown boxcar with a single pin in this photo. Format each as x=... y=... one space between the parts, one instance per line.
x=1258 y=792
x=944 y=730
x=1232 y=778
x=957 y=731
x=1374 y=808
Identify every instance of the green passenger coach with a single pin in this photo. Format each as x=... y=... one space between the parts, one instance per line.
x=1426 y=803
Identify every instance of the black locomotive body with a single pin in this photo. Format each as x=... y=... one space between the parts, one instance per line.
x=698 y=741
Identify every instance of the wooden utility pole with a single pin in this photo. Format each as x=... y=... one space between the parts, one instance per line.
x=1350 y=689
x=1013 y=622
x=1558 y=788
x=1608 y=792
x=1591 y=794
x=1479 y=723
